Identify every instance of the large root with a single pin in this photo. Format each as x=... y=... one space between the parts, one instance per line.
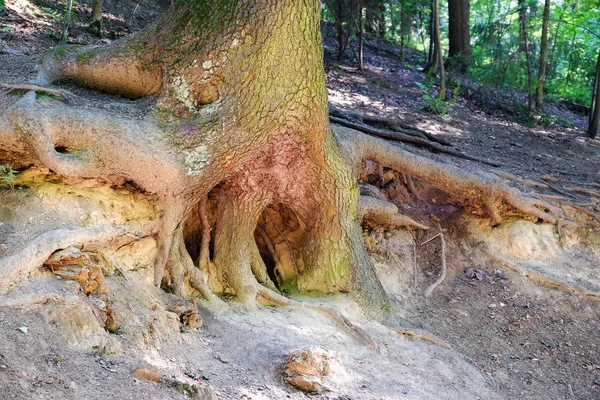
x=476 y=188
x=16 y=268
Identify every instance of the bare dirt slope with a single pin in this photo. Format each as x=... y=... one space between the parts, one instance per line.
x=519 y=306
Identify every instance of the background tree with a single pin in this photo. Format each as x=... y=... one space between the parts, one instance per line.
x=95 y=26
x=594 y=120
x=459 y=34
x=539 y=96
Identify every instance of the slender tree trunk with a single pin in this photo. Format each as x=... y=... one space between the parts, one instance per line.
x=539 y=97
x=459 y=34
x=402 y=30
x=439 y=53
x=95 y=26
x=525 y=49
x=66 y=22
x=340 y=29
x=360 y=36
x=594 y=120
x=431 y=53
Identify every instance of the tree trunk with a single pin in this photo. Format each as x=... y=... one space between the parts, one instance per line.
x=525 y=48
x=439 y=54
x=431 y=59
x=459 y=34
x=360 y=36
x=539 y=96
x=594 y=119
x=403 y=30
x=95 y=26
x=229 y=161
x=340 y=29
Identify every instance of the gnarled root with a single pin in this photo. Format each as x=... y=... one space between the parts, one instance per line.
x=16 y=268
x=377 y=212
x=478 y=188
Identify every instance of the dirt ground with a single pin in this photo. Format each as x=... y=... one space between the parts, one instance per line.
x=510 y=335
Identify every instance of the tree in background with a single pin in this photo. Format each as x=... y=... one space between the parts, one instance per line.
x=95 y=26
x=539 y=96
x=459 y=34
x=594 y=119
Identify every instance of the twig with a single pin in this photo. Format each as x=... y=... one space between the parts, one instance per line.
x=442 y=276
x=38 y=89
x=431 y=238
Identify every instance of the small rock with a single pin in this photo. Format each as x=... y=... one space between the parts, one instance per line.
x=492 y=305
x=306 y=368
x=23 y=329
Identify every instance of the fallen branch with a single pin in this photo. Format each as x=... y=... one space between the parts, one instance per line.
x=442 y=276
x=394 y=125
x=385 y=134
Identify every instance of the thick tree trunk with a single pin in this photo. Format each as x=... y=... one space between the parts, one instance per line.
x=594 y=119
x=233 y=150
x=459 y=34
x=539 y=95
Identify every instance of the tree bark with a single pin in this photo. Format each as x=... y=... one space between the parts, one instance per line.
x=459 y=34
x=539 y=96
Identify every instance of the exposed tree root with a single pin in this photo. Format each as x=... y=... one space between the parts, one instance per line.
x=38 y=89
x=544 y=280
x=406 y=139
x=335 y=315
x=516 y=179
x=424 y=336
x=394 y=125
x=442 y=276
x=377 y=212
x=16 y=268
x=485 y=189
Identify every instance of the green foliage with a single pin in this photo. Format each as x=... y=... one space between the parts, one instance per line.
x=1 y=4
x=7 y=176
x=433 y=102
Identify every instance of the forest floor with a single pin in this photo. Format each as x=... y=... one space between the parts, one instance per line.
x=510 y=337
